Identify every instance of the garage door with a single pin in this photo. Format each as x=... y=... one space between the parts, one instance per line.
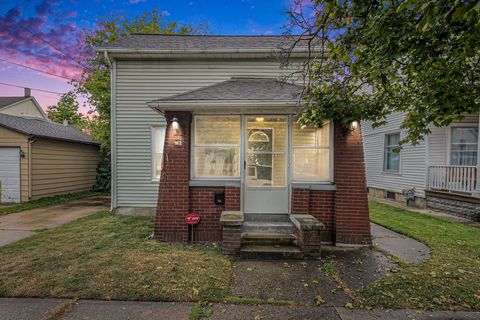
x=9 y=175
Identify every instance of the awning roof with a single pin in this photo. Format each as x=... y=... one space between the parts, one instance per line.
x=234 y=94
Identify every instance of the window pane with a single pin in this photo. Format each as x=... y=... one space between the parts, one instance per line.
x=311 y=164
x=158 y=136
x=464 y=148
x=221 y=130
x=217 y=162
x=391 y=157
x=266 y=133
x=311 y=137
x=393 y=160
x=464 y=135
x=265 y=170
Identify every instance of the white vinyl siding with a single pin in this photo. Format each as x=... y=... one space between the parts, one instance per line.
x=140 y=81
x=415 y=160
x=412 y=170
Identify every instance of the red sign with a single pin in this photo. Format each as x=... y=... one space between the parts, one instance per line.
x=192 y=219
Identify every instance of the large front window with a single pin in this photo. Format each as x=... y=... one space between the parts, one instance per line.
x=464 y=146
x=217 y=146
x=158 y=139
x=311 y=153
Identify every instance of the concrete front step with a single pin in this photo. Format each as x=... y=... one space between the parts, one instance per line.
x=272 y=238
x=267 y=217
x=267 y=227
x=270 y=252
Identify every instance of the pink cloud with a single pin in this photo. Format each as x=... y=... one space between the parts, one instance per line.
x=27 y=41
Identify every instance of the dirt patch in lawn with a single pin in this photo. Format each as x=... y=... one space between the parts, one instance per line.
x=105 y=256
x=325 y=282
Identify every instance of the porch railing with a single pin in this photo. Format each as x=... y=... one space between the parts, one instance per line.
x=453 y=178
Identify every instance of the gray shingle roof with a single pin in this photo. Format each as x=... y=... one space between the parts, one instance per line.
x=239 y=88
x=198 y=42
x=44 y=128
x=6 y=101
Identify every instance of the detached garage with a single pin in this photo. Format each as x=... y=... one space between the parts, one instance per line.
x=40 y=158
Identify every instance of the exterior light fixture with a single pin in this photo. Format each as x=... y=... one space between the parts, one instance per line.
x=175 y=125
x=259 y=119
x=353 y=125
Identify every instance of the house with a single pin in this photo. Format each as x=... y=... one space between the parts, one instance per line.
x=40 y=158
x=206 y=125
x=442 y=171
x=26 y=106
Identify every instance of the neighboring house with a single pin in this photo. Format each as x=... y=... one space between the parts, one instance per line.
x=40 y=158
x=213 y=111
x=443 y=169
x=25 y=106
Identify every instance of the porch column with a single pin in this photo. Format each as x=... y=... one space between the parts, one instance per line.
x=476 y=194
x=174 y=190
x=352 y=221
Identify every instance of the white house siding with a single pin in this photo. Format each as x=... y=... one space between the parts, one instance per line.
x=140 y=81
x=412 y=160
x=439 y=141
x=25 y=108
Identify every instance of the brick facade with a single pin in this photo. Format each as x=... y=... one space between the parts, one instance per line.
x=344 y=212
x=352 y=222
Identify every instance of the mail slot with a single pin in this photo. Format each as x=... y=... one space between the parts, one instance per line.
x=219 y=197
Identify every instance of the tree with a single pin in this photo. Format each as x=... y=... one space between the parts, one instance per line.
x=67 y=109
x=95 y=79
x=374 y=58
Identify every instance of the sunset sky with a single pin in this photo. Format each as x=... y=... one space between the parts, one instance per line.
x=29 y=31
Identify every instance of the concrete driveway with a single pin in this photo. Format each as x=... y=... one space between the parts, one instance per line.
x=16 y=226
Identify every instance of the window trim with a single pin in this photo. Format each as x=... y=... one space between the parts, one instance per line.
x=449 y=141
x=193 y=176
x=331 y=155
x=153 y=161
x=384 y=162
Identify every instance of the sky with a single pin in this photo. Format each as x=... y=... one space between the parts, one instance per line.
x=43 y=34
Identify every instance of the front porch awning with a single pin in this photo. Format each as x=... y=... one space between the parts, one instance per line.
x=236 y=95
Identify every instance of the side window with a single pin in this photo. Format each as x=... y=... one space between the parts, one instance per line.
x=464 y=146
x=158 y=140
x=391 y=159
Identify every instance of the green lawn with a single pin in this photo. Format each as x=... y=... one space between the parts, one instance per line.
x=43 y=202
x=449 y=280
x=105 y=256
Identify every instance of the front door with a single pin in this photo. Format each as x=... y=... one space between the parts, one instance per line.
x=266 y=146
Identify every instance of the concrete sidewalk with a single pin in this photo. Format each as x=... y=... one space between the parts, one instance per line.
x=406 y=248
x=38 y=309
x=19 y=225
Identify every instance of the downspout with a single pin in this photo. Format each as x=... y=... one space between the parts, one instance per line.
x=31 y=140
x=113 y=152
x=476 y=193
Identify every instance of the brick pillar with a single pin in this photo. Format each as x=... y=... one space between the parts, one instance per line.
x=173 y=194
x=300 y=201
x=232 y=198
x=352 y=223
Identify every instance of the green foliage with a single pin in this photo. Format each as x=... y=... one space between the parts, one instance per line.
x=103 y=181
x=95 y=79
x=67 y=109
x=380 y=57
x=449 y=280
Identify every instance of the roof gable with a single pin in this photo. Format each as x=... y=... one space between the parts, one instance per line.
x=7 y=101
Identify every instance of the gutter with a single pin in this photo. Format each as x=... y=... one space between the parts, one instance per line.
x=31 y=140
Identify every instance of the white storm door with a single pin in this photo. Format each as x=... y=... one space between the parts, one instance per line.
x=266 y=146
